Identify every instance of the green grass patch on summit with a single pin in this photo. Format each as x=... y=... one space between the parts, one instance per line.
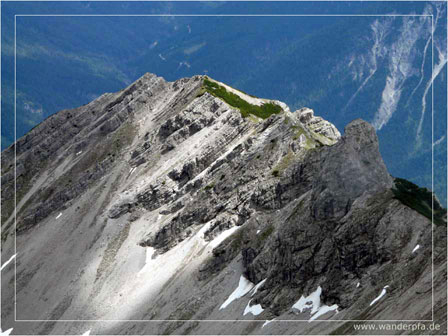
x=419 y=199
x=264 y=111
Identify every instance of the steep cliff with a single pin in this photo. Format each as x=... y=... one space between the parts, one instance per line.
x=196 y=203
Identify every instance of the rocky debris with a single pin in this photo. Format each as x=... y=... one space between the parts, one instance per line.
x=155 y=196
x=174 y=208
x=199 y=114
x=318 y=125
x=305 y=114
x=180 y=227
x=185 y=174
x=220 y=224
x=124 y=206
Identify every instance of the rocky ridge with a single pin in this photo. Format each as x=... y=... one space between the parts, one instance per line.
x=161 y=195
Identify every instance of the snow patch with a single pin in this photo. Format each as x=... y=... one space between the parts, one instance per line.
x=383 y=292
x=5 y=333
x=6 y=263
x=416 y=248
x=149 y=260
x=219 y=239
x=255 y=289
x=78 y=153
x=258 y=231
x=266 y=323
x=60 y=214
x=132 y=170
x=312 y=302
x=357 y=285
x=244 y=287
x=254 y=310
x=87 y=333
x=323 y=310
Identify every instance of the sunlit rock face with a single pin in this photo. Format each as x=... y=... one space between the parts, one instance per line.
x=162 y=202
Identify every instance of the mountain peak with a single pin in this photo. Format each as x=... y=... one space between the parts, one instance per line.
x=192 y=189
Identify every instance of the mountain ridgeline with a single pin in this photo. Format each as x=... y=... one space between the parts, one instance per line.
x=190 y=207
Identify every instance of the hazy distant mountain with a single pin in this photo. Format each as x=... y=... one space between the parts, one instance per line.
x=374 y=67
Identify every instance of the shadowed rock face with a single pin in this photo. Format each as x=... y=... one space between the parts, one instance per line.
x=151 y=203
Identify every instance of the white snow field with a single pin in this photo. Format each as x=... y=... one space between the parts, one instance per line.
x=244 y=287
x=254 y=310
x=313 y=302
x=383 y=292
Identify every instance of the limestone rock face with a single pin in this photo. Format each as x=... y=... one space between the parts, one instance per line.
x=159 y=201
x=317 y=124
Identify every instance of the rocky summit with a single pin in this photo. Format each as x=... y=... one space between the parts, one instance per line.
x=190 y=207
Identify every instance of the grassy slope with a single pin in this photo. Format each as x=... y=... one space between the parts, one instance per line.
x=264 y=111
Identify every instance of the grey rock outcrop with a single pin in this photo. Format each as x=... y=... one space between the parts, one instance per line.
x=161 y=199
x=317 y=124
